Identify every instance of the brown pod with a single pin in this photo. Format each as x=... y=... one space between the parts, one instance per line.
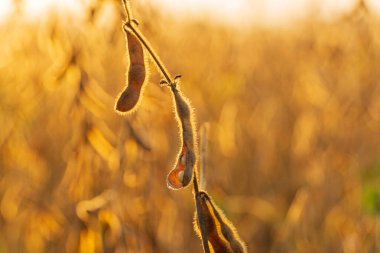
x=130 y=96
x=182 y=173
x=229 y=231
x=220 y=232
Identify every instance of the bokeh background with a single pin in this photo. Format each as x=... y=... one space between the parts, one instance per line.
x=293 y=106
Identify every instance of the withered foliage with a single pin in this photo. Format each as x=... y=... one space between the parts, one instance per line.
x=294 y=150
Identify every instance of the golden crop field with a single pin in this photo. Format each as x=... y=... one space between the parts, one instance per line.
x=293 y=145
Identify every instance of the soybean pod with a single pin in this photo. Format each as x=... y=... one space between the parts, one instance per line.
x=221 y=234
x=182 y=173
x=129 y=98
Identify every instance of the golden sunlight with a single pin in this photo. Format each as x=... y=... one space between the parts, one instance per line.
x=34 y=8
x=97 y=127
x=233 y=12
x=5 y=7
x=264 y=11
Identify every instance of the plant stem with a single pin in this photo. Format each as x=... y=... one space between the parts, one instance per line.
x=203 y=154
x=127 y=9
x=200 y=215
x=152 y=53
x=132 y=26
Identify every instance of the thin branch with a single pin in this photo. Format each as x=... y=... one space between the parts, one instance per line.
x=128 y=10
x=200 y=215
x=152 y=53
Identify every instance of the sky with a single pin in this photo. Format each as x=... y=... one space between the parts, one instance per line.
x=268 y=11
x=230 y=11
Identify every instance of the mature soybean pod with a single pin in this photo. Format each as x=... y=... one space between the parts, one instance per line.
x=229 y=231
x=220 y=232
x=128 y=99
x=182 y=173
x=211 y=225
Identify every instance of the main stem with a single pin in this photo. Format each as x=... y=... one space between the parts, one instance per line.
x=200 y=215
x=132 y=26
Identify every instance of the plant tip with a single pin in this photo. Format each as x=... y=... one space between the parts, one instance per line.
x=163 y=83
x=135 y=21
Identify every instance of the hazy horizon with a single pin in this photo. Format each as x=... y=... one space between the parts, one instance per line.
x=238 y=12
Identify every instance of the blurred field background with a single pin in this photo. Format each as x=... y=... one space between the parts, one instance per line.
x=294 y=144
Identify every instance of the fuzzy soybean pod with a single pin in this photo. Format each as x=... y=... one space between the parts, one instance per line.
x=182 y=173
x=129 y=98
x=221 y=234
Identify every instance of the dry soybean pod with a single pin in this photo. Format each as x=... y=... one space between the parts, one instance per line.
x=228 y=230
x=182 y=173
x=212 y=226
x=129 y=98
x=221 y=234
x=199 y=216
